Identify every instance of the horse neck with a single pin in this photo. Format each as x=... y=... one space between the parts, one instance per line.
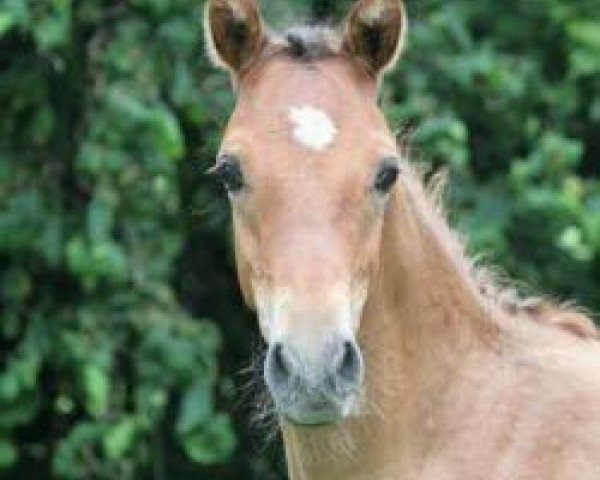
x=425 y=303
x=423 y=317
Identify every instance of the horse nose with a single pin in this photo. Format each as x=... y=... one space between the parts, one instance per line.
x=339 y=367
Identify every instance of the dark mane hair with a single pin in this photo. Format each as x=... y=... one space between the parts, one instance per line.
x=310 y=42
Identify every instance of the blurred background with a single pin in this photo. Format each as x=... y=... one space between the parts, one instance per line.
x=122 y=331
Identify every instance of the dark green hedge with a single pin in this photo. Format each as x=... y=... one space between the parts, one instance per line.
x=114 y=249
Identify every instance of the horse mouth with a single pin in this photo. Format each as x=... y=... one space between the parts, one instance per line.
x=314 y=418
x=317 y=413
x=315 y=392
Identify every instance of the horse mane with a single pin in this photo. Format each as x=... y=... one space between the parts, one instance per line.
x=311 y=42
x=565 y=316
x=498 y=289
x=304 y=42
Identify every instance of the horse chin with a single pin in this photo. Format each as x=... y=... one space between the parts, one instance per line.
x=323 y=415
x=314 y=418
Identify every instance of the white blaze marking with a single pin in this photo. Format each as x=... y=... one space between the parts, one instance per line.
x=313 y=128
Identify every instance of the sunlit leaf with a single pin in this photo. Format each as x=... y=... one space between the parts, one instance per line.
x=119 y=437
x=8 y=454
x=96 y=388
x=195 y=408
x=212 y=442
x=7 y=21
x=166 y=133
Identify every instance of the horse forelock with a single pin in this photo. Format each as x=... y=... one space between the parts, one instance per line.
x=303 y=42
x=311 y=42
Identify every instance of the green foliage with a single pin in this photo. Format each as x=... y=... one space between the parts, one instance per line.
x=506 y=96
x=97 y=351
x=114 y=249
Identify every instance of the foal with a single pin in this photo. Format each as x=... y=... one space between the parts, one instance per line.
x=389 y=355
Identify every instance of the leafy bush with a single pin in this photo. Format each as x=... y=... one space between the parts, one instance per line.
x=507 y=96
x=114 y=249
x=101 y=365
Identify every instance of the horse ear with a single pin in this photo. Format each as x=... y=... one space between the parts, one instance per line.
x=234 y=32
x=375 y=32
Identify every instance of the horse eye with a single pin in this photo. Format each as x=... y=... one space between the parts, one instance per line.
x=386 y=177
x=229 y=173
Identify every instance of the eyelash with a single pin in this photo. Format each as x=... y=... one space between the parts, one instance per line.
x=229 y=173
x=386 y=177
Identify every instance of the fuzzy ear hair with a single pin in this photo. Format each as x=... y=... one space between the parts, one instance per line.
x=234 y=32
x=374 y=33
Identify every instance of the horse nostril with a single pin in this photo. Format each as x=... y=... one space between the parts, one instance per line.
x=278 y=366
x=280 y=362
x=350 y=365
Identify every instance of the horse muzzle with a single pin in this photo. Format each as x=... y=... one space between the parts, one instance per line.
x=315 y=389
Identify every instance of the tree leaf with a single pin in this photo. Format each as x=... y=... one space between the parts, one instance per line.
x=211 y=443
x=7 y=21
x=119 y=437
x=8 y=454
x=195 y=408
x=166 y=134
x=96 y=387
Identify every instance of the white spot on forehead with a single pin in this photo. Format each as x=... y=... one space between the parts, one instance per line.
x=312 y=127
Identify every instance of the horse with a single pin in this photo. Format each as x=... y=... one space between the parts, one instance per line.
x=390 y=354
